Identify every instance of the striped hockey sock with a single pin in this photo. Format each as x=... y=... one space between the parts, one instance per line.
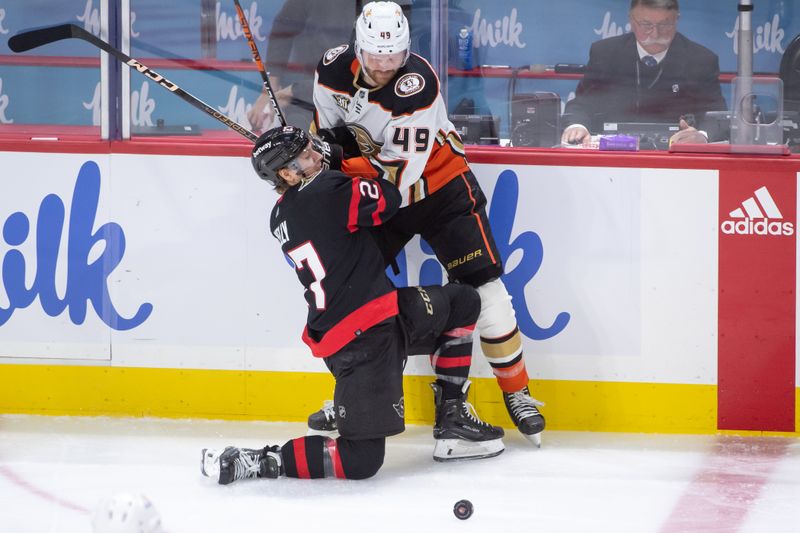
x=316 y=457
x=452 y=359
x=504 y=355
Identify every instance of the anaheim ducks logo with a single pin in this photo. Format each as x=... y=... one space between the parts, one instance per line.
x=409 y=84
x=367 y=146
x=331 y=55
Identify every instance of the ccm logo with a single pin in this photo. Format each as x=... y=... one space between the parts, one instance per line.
x=158 y=78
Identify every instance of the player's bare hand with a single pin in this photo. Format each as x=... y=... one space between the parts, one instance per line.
x=261 y=113
x=575 y=134
x=284 y=96
x=687 y=135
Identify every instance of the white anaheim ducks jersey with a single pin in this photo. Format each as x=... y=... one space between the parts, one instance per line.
x=402 y=128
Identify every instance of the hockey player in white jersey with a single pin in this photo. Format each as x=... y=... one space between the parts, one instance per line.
x=383 y=105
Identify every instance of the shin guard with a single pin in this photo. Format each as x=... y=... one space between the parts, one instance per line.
x=501 y=341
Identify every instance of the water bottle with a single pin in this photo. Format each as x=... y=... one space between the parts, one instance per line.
x=465 y=48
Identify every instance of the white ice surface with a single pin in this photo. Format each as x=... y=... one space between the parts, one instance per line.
x=54 y=470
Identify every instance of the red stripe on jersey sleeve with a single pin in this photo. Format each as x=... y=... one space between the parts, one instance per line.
x=352 y=212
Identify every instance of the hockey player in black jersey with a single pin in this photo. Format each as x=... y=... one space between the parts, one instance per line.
x=358 y=323
x=383 y=105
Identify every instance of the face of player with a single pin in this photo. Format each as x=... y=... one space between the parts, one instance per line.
x=654 y=28
x=381 y=68
x=305 y=165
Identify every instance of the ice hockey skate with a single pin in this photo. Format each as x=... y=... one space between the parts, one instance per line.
x=233 y=464
x=323 y=422
x=458 y=431
x=525 y=414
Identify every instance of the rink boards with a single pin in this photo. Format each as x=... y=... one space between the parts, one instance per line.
x=653 y=293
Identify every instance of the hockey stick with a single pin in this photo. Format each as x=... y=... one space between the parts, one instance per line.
x=257 y=59
x=31 y=39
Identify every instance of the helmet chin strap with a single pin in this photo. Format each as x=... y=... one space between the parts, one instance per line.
x=306 y=175
x=367 y=77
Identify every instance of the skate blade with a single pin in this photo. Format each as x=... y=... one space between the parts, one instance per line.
x=462 y=450
x=535 y=439
x=209 y=464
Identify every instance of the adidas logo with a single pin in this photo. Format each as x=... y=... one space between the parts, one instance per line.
x=759 y=215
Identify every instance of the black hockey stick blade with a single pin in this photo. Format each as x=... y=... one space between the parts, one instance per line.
x=30 y=39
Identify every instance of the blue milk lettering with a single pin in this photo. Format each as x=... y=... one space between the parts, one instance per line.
x=86 y=282
x=49 y=227
x=430 y=271
x=15 y=231
x=501 y=214
x=501 y=217
x=401 y=278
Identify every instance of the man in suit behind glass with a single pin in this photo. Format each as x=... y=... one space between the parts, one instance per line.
x=653 y=74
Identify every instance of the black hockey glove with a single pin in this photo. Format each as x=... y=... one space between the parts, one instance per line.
x=342 y=136
x=331 y=155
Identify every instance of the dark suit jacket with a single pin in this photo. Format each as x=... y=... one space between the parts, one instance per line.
x=611 y=91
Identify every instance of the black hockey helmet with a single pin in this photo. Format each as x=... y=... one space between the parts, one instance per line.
x=275 y=149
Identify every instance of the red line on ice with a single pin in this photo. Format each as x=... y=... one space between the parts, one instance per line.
x=720 y=495
x=14 y=478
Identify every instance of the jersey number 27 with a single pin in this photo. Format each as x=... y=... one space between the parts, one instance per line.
x=304 y=256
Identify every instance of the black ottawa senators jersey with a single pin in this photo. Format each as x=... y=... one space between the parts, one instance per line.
x=319 y=225
x=402 y=127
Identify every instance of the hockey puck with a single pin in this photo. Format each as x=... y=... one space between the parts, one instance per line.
x=462 y=509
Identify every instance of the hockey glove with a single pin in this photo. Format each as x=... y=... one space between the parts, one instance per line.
x=342 y=136
x=331 y=155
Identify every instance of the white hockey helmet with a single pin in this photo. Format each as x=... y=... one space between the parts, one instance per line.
x=126 y=513
x=382 y=29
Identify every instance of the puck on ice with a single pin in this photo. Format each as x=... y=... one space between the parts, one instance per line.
x=462 y=509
